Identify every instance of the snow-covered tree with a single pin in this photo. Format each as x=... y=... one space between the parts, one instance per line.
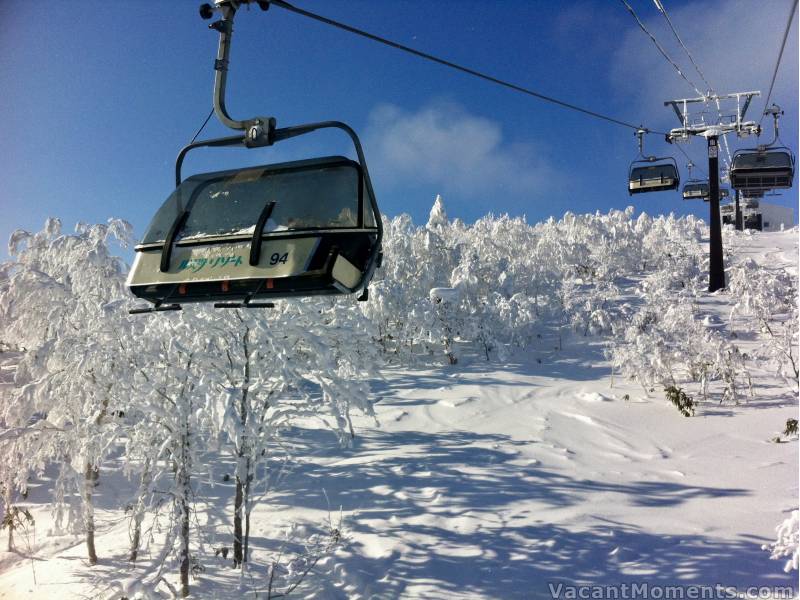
x=516 y=280
x=769 y=297
x=787 y=545
x=302 y=359
x=170 y=427
x=61 y=303
x=663 y=342
x=81 y=377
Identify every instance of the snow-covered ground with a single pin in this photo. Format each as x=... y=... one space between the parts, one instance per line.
x=487 y=480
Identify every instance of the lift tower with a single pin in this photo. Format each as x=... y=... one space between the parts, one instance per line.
x=712 y=132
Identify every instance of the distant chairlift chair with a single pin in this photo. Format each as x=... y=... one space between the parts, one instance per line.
x=723 y=193
x=696 y=189
x=653 y=174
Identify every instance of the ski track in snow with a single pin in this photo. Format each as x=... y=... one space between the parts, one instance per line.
x=491 y=481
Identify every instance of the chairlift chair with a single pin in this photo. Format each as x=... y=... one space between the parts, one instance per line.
x=763 y=168
x=723 y=193
x=652 y=174
x=304 y=228
x=695 y=189
x=238 y=237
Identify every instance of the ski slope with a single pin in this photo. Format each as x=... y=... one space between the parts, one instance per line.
x=486 y=480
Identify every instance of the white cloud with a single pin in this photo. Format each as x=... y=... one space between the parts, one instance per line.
x=735 y=42
x=445 y=145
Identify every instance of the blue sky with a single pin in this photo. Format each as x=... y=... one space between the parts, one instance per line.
x=98 y=97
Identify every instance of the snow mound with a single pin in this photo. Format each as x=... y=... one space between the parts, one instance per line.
x=593 y=397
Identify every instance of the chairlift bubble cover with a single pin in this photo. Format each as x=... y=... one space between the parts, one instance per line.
x=758 y=170
x=696 y=189
x=318 y=235
x=653 y=177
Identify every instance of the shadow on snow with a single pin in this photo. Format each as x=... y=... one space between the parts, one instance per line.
x=446 y=501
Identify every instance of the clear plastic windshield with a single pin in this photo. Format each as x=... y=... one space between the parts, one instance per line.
x=696 y=189
x=653 y=172
x=764 y=160
x=320 y=194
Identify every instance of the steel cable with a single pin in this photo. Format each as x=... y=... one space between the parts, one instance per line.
x=456 y=66
x=661 y=49
x=778 y=62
